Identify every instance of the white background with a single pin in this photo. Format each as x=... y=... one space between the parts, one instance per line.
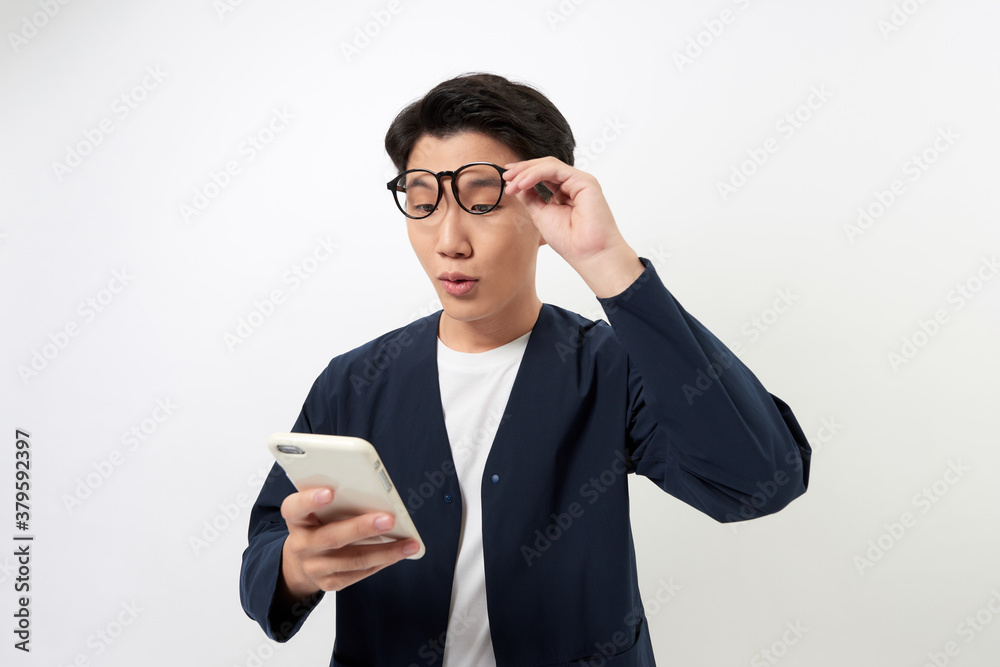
x=662 y=134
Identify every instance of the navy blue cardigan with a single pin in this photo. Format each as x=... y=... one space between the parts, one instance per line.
x=654 y=393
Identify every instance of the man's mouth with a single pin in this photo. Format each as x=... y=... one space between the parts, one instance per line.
x=457 y=284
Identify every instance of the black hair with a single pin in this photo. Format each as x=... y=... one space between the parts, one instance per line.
x=514 y=114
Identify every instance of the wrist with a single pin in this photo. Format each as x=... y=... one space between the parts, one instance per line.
x=611 y=271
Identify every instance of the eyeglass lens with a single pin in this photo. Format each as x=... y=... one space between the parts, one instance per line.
x=479 y=186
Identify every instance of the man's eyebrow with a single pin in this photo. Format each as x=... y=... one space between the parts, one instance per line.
x=421 y=182
x=483 y=181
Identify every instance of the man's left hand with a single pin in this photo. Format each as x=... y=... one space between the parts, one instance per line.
x=576 y=222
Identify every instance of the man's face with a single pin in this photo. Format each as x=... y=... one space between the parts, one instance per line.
x=482 y=266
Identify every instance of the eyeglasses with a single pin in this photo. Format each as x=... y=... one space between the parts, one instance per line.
x=477 y=186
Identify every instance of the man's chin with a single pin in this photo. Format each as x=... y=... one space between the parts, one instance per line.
x=462 y=312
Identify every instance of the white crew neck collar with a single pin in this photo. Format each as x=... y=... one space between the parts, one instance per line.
x=505 y=354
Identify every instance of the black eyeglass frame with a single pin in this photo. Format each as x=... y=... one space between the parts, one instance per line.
x=393 y=186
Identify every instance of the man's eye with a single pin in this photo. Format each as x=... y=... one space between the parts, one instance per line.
x=484 y=208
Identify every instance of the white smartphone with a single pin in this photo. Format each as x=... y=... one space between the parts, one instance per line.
x=352 y=468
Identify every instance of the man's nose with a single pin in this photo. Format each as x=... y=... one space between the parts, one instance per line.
x=453 y=238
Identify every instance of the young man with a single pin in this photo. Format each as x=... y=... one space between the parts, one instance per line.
x=508 y=425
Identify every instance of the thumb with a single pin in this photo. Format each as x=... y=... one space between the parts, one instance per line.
x=533 y=202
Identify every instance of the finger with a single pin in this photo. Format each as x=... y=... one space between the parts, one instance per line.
x=554 y=174
x=341 y=580
x=533 y=202
x=518 y=167
x=514 y=168
x=549 y=164
x=299 y=508
x=346 y=566
x=514 y=172
x=337 y=581
x=525 y=192
x=340 y=534
x=364 y=556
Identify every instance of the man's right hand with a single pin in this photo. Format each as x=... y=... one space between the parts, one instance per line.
x=318 y=556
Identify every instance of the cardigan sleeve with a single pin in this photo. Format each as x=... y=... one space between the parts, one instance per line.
x=701 y=425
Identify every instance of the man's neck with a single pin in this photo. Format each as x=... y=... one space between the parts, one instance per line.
x=490 y=332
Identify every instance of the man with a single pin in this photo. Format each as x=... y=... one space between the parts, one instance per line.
x=508 y=425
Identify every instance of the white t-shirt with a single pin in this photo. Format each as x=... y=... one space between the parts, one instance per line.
x=474 y=392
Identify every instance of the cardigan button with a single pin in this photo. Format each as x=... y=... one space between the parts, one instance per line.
x=495 y=478
x=448 y=498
